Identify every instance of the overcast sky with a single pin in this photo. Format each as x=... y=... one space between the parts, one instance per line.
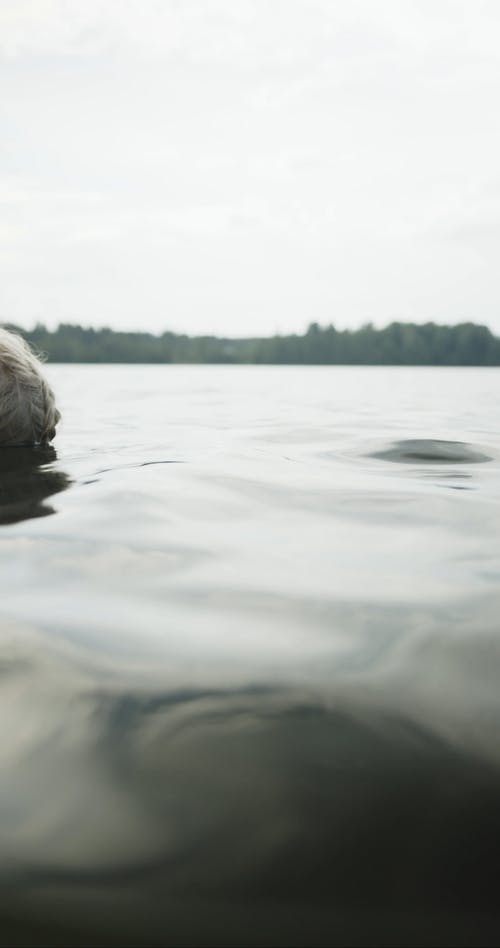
x=248 y=166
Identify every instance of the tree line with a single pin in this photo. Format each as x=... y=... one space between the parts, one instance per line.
x=396 y=344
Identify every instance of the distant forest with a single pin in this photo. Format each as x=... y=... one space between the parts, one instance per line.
x=396 y=344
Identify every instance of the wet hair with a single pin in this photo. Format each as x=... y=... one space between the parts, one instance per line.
x=28 y=414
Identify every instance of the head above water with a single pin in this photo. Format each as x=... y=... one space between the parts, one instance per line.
x=28 y=414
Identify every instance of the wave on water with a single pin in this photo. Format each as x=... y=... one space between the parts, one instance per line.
x=429 y=450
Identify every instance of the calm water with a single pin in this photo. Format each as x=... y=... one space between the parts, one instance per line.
x=250 y=655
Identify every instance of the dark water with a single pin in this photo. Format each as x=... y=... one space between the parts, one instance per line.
x=250 y=660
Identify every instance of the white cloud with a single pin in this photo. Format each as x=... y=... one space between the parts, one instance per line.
x=237 y=165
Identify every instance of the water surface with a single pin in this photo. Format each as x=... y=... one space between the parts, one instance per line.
x=250 y=656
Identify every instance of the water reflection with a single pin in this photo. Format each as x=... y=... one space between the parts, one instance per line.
x=27 y=478
x=251 y=817
x=247 y=701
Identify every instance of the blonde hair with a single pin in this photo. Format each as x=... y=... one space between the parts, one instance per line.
x=28 y=414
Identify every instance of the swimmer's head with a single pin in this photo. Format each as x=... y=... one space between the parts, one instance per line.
x=28 y=414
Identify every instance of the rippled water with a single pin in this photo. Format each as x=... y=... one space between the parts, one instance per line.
x=250 y=656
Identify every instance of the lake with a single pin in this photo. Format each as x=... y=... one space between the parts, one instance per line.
x=250 y=659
